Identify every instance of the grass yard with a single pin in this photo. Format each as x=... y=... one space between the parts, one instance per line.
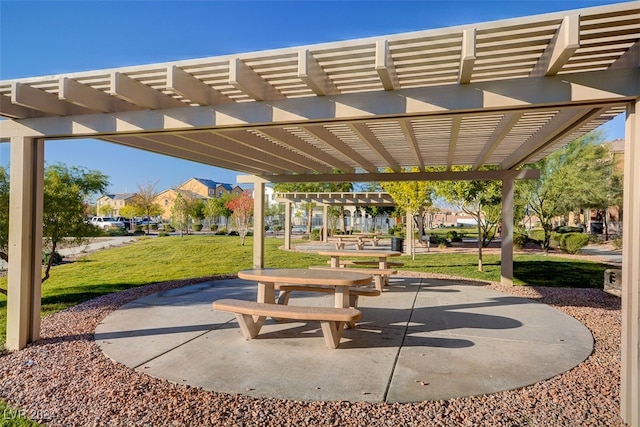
x=172 y=258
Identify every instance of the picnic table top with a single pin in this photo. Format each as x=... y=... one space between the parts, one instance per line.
x=305 y=276
x=370 y=254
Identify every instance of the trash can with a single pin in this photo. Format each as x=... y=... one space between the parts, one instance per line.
x=396 y=244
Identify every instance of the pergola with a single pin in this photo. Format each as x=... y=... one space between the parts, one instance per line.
x=327 y=199
x=503 y=93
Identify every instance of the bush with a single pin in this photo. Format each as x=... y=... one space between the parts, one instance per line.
x=213 y=227
x=233 y=233
x=453 y=236
x=197 y=227
x=169 y=228
x=139 y=233
x=163 y=234
x=536 y=236
x=520 y=239
x=57 y=258
x=568 y=229
x=575 y=241
x=117 y=232
x=617 y=242
x=277 y=228
x=221 y=232
x=315 y=235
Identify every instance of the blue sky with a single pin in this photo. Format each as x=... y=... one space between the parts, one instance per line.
x=51 y=37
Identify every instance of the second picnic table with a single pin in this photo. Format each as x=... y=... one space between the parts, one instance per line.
x=380 y=254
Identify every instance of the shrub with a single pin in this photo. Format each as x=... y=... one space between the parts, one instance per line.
x=536 y=236
x=453 y=236
x=315 y=235
x=117 y=232
x=213 y=227
x=169 y=228
x=221 y=232
x=617 y=242
x=568 y=229
x=575 y=241
x=197 y=227
x=163 y=234
x=233 y=233
x=249 y=233
x=520 y=239
x=57 y=258
x=277 y=228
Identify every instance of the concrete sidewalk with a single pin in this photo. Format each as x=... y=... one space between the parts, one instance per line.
x=422 y=339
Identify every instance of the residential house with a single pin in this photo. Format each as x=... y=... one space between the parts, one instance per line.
x=110 y=204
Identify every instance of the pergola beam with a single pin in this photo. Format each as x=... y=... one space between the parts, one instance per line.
x=312 y=74
x=561 y=124
x=484 y=175
x=385 y=67
x=322 y=134
x=564 y=43
x=467 y=56
x=412 y=142
x=289 y=139
x=502 y=130
x=131 y=90
x=243 y=78
x=365 y=135
x=38 y=99
x=193 y=89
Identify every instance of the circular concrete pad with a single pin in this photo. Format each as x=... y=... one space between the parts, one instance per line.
x=422 y=339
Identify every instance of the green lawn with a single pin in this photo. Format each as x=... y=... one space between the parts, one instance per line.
x=171 y=258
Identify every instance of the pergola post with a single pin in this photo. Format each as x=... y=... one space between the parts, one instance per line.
x=631 y=271
x=325 y=223
x=506 y=245
x=258 y=223
x=408 y=249
x=287 y=224
x=25 y=241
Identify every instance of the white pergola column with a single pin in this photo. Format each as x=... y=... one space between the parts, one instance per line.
x=25 y=241
x=258 y=224
x=325 y=223
x=408 y=249
x=506 y=245
x=287 y=224
x=630 y=397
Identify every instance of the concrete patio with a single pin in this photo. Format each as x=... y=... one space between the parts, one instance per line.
x=423 y=339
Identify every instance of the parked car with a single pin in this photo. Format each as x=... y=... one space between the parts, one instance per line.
x=145 y=221
x=106 y=222
x=125 y=221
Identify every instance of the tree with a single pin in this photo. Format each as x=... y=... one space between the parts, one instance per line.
x=413 y=197
x=128 y=211
x=577 y=176
x=217 y=207
x=185 y=208
x=65 y=191
x=479 y=199
x=242 y=207
x=145 y=203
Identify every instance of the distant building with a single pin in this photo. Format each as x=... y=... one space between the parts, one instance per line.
x=195 y=188
x=210 y=188
x=110 y=204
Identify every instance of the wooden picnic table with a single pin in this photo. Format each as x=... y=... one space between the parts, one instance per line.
x=381 y=255
x=340 y=280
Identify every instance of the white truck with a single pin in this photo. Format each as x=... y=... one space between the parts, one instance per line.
x=106 y=222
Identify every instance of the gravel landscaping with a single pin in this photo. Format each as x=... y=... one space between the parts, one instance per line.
x=65 y=380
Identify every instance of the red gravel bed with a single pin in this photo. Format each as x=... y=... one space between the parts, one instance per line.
x=65 y=380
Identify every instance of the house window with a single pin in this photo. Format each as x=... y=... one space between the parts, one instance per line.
x=166 y=202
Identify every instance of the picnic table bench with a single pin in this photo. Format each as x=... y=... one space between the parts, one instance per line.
x=251 y=316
